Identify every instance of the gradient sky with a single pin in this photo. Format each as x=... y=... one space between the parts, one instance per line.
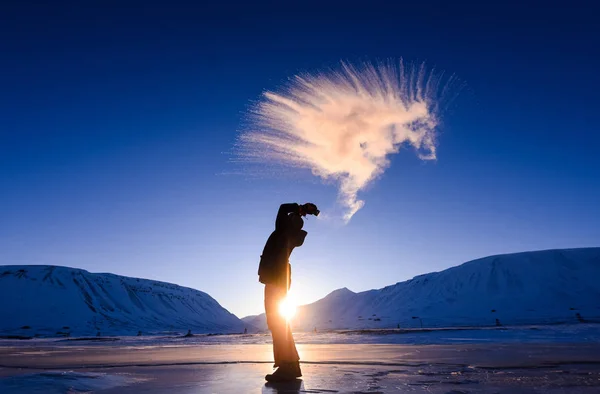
x=117 y=121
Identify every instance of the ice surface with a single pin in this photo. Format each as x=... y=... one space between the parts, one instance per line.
x=343 y=368
x=60 y=382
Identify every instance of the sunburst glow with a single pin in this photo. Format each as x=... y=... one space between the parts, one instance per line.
x=287 y=308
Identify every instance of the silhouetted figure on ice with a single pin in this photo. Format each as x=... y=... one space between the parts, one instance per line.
x=275 y=272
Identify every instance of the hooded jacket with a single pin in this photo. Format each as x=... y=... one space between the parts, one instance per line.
x=274 y=267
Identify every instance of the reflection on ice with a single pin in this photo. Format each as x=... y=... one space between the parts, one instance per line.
x=293 y=387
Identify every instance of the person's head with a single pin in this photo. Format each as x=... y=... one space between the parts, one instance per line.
x=295 y=233
x=296 y=222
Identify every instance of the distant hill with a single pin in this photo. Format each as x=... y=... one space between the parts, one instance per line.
x=255 y=321
x=542 y=287
x=49 y=301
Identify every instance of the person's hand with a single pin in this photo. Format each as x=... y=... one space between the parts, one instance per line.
x=310 y=209
x=301 y=210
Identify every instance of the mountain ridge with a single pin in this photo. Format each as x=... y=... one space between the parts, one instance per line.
x=50 y=300
x=533 y=287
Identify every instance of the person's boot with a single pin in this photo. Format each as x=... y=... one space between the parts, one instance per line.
x=281 y=374
x=296 y=369
x=285 y=373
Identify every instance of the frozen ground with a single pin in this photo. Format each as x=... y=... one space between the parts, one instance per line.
x=575 y=333
x=555 y=359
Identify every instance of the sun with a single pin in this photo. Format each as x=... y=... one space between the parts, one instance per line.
x=287 y=308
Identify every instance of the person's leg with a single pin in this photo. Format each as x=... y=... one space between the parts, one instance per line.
x=291 y=351
x=275 y=322
x=284 y=348
x=291 y=359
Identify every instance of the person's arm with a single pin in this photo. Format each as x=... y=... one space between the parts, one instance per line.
x=284 y=210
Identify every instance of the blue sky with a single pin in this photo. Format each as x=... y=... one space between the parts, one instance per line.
x=117 y=124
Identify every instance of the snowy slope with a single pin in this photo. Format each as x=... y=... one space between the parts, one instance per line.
x=255 y=321
x=540 y=287
x=50 y=300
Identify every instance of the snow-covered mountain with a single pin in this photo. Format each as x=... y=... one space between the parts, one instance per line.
x=543 y=287
x=50 y=301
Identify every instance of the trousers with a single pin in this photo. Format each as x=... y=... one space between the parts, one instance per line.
x=284 y=348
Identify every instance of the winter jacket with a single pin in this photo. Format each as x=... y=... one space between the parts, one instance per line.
x=274 y=267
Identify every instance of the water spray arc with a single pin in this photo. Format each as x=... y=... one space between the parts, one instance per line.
x=344 y=124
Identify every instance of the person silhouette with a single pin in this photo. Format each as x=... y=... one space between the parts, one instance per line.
x=275 y=272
